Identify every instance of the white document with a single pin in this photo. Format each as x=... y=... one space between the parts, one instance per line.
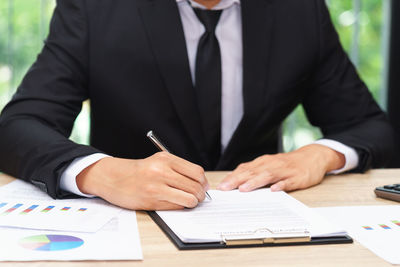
x=375 y=227
x=25 y=206
x=117 y=240
x=256 y=214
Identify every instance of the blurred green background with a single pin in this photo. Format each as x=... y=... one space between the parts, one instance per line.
x=362 y=26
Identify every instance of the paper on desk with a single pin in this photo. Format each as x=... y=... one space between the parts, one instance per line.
x=117 y=240
x=375 y=227
x=251 y=213
x=23 y=205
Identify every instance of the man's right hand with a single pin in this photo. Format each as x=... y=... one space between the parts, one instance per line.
x=159 y=182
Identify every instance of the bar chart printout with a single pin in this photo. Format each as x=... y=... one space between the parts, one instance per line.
x=55 y=215
x=33 y=207
x=91 y=229
x=118 y=240
x=375 y=227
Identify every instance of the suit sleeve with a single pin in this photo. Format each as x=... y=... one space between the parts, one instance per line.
x=340 y=103
x=36 y=123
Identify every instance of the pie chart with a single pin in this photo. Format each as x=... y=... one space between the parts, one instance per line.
x=51 y=242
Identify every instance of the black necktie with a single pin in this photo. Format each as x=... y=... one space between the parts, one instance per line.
x=208 y=83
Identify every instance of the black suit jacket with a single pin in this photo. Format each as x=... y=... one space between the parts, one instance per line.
x=129 y=58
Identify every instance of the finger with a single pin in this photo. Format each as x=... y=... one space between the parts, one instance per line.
x=246 y=171
x=189 y=169
x=186 y=184
x=279 y=186
x=179 y=197
x=241 y=174
x=258 y=181
x=265 y=175
x=286 y=185
x=270 y=173
x=235 y=179
x=260 y=175
x=164 y=205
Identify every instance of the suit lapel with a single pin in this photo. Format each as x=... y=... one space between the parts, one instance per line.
x=164 y=29
x=165 y=32
x=257 y=28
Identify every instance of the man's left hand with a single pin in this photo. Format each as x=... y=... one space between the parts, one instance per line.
x=298 y=169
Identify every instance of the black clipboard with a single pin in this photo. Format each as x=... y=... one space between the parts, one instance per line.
x=345 y=239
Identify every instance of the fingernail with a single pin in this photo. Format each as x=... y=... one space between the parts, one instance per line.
x=275 y=188
x=244 y=187
x=223 y=186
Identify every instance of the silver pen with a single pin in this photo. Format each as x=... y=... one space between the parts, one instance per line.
x=157 y=142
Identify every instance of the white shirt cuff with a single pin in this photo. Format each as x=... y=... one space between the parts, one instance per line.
x=68 y=177
x=350 y=154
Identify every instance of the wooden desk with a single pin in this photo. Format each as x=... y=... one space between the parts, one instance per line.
x=354 y=189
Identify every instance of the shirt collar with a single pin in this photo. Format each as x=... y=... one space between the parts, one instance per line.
x=224 y=4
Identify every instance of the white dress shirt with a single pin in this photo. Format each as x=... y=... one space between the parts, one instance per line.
x=229 y=35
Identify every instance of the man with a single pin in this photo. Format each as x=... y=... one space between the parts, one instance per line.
x=214 y=85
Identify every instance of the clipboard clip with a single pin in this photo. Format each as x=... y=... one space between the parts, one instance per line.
x=267 y=236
